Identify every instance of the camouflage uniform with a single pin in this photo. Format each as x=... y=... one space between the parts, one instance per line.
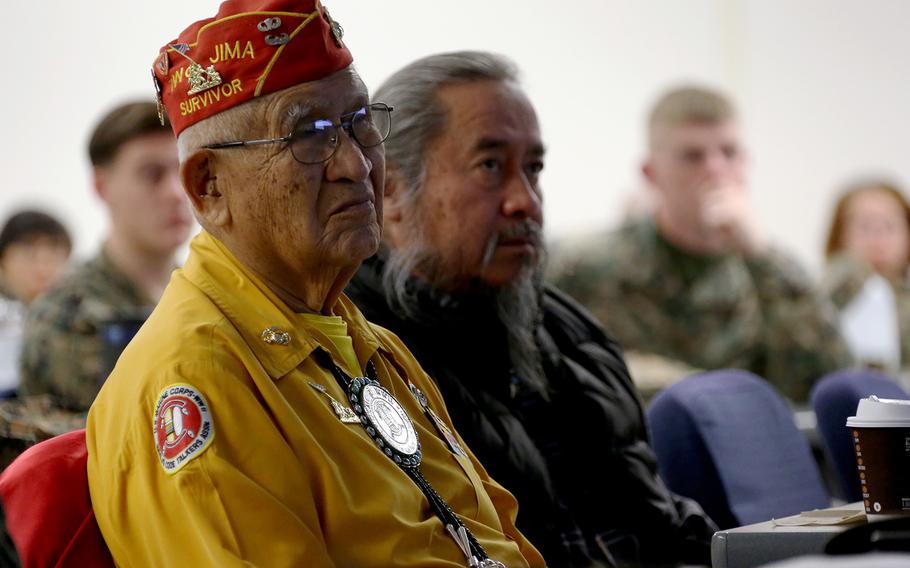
x=726 y=311
x=64 y=353
x=845 y=277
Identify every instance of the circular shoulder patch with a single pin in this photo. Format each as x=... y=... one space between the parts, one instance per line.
x=183 y=426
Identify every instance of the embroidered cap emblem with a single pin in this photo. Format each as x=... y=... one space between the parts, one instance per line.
x=202 y=79
x=182 y=426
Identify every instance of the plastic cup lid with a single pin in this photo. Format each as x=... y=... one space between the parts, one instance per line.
x=881 y=412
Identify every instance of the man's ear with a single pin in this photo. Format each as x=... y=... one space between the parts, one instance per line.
x=99 y=176
x=393 y=196
x=647 y=170
x=201 y=185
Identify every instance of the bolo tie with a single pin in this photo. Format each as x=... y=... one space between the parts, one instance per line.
x=391 y=429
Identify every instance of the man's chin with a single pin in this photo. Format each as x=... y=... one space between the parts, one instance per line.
x=504 y=274
x=361 y=243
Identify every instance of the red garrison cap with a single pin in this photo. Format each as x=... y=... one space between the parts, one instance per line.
x=250 y=48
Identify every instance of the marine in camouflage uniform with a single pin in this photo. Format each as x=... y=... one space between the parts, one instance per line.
x=64 y=351
x=758 y=313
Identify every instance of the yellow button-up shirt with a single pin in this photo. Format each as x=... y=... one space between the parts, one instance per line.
x=281 y=481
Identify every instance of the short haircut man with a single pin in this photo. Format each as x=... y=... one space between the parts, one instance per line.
x=687 y=105
x=698 y=282
x=285 y=429
x=531 y=381
x=75 y=333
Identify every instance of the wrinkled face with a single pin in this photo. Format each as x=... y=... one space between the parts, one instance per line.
x=688 y=160
x=141 y=187
x=291 y=218
x=876 y=230
x=31 y=266
x=480 y=207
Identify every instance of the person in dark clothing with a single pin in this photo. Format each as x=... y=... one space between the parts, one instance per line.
x=533 y=384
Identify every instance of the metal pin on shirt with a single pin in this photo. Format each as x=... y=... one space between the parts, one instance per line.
x=275 y=336
x=344 y=413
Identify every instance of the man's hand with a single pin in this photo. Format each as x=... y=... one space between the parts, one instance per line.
x=730 y=220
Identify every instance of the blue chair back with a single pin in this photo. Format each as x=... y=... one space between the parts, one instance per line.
x=834 y=399
x=728 y=440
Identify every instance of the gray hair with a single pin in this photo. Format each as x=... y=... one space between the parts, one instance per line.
x=420 y=118
x=518 y=304
x=230 y=124
x=419 y=115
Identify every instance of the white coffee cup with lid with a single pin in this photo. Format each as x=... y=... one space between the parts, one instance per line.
x=881 y=439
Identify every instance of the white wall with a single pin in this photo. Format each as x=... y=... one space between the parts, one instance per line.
x=822 y=85
x=828 y=96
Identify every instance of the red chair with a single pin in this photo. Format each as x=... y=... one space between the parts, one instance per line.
x=48 y=510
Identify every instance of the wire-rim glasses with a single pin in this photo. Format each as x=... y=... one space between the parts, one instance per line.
x=315 y=141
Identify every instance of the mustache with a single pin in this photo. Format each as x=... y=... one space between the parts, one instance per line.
x=526 y=228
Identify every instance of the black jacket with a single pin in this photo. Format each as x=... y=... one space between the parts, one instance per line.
x=579 y=463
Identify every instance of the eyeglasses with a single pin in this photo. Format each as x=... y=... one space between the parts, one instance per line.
x=315 y=141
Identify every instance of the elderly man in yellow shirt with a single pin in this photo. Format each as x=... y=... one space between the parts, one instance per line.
x=257 y=418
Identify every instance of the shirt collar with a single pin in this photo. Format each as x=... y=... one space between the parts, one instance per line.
x=253 y=308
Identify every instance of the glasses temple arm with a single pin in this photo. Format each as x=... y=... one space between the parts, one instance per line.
x=238 y=143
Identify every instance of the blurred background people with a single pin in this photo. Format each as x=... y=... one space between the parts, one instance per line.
x=34 y=249
x=867 y=254
x=530 y=379
x=76 y=331
x=697 y=282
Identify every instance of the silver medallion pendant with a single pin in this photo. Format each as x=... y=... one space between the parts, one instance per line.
x=386 y=421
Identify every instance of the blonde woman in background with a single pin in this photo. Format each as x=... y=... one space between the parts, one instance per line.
x=868 y=252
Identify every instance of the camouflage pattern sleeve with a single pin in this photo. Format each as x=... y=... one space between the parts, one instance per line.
x=709 y=312
x=801 y=337
x=62 y=354
x=586 y=270
x=583 y=280
x=614 y=275
x=844 y=278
